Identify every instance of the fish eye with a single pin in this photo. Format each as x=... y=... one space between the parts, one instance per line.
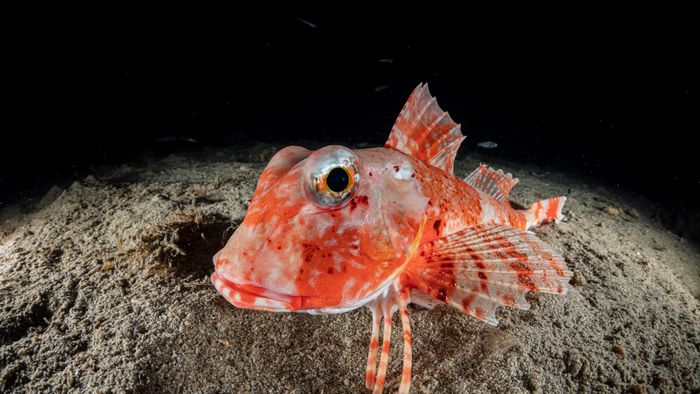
x=338 y=179
x=333 y=178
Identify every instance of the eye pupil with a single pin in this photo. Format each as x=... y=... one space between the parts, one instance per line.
x=337 y=179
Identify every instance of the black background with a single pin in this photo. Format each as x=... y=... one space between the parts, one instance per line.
x=609 y=100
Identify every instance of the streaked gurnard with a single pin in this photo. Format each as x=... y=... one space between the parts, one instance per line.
x=335 y=229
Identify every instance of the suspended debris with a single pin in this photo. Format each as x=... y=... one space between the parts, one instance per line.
x=487 y=145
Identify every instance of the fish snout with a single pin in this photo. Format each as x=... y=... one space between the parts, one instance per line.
x=250 y=296
x=233 y=280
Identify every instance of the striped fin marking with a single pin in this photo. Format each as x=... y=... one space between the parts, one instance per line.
x=486 y=266
x=494 y=183
x=426 y=132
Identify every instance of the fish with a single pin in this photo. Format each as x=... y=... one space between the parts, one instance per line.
x=487 y=145
x=336 y=229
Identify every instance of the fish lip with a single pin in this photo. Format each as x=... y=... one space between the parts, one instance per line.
x=250 y=296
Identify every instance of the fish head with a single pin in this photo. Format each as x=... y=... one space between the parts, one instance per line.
x=324 y=232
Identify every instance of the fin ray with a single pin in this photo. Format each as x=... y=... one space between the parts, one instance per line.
x=494 y=183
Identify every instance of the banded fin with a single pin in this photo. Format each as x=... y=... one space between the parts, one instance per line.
x=494 y=183
x=545 y=211
x=481 y=268
x=426 y=132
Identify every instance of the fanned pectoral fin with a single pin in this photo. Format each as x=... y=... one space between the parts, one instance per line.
x=483 y=267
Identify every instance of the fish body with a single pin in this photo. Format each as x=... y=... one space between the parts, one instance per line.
x=335 y=229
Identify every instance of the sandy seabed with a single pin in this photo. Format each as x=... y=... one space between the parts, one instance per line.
x=105 y=287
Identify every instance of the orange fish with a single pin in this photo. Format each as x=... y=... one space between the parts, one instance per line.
x=331 y=230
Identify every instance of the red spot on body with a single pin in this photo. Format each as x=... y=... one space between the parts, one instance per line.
x=359 y=200
x=436 y=226
x=479 y=313
x=309 y=251
x=441 y=294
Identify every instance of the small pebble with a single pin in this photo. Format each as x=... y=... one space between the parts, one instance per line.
x=578 y=279
x=619 y=350
x=612 y=211
x=637 y=389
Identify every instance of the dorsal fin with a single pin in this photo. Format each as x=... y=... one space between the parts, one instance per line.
x=494 y=183
x=426 y=132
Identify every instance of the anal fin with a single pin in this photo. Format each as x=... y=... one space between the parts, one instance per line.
x=481 y=268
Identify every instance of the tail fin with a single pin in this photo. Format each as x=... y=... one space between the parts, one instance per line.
x=545 y=211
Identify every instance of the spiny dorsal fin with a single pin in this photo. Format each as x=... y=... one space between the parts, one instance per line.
x=426 y=132
x=494 y=183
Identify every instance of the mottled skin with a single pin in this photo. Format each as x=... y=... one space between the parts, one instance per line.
x=408 y=231
x=333 y=258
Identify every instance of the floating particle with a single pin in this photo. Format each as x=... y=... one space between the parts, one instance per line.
x=487 y=145
x=307 y=23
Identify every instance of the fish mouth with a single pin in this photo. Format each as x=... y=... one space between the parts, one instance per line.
x=249 y=296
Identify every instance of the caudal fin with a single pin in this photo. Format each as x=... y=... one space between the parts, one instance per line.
x=545 y=211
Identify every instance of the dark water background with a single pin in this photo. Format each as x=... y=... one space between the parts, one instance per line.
x=606 y=99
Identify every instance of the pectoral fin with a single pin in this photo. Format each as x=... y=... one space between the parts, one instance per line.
x=483 y=267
